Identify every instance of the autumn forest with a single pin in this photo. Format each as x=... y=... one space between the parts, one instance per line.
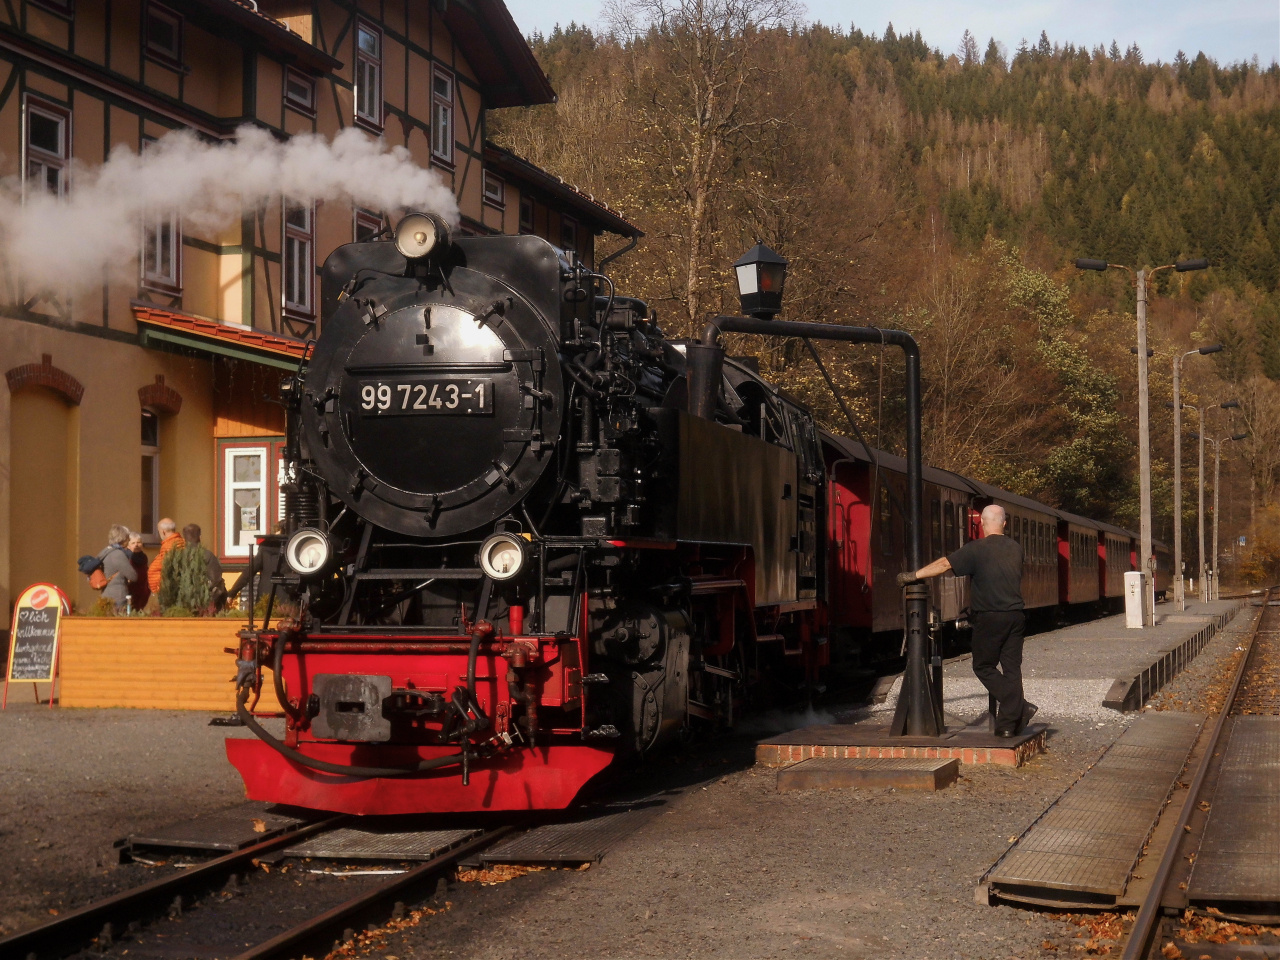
x=948 y=193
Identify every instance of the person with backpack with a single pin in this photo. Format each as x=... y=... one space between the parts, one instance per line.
x=117 y=567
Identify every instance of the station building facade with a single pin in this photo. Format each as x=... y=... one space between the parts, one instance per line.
x=154 y=397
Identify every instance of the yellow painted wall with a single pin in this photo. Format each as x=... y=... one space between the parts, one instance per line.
x=106 y=427
x=42 y=507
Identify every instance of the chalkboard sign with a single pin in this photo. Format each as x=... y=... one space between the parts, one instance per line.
x=33 y=642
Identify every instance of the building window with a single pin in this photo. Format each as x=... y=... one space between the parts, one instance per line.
x=297 y=259
x=150 y=474
x=244 y=497
x=442 y=115
x=48 y=147
x=300 y=92
x=366 y=225
x=568 y=233
x=162 y=251
x=526 y=214
x=163 y=34
x=161 y=246
x=369 y=74
x=495 y=191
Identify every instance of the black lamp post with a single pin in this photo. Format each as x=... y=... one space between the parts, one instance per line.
x=761 y=274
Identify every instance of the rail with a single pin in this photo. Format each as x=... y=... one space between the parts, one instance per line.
x=1138 y=946
x=100 y=920
x=104 y=920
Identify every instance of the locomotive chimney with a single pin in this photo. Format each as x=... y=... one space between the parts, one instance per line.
x=704 y=363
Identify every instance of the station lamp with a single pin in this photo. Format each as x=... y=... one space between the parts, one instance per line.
x=761 y=275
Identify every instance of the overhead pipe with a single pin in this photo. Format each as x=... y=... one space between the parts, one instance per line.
x=919 y=710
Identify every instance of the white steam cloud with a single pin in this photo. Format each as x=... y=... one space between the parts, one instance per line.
x=65 y=243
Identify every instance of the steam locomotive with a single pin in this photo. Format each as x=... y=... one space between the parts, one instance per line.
x=511 y=552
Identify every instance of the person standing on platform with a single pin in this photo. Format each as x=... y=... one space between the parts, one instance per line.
x=169 y=539
x=994 y=565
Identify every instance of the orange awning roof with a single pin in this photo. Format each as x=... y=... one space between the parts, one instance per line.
x=162 y=328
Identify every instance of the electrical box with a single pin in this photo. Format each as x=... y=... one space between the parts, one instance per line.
x=1135 y=600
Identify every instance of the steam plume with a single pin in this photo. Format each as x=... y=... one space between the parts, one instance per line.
x=62 y=244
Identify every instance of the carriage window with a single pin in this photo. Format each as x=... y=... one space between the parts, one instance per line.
x=886 y=522
x=935 y=524
x=962 y=524
x=949 y=525
x=1025 y=539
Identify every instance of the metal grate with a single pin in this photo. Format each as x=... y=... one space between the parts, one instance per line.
x=583 y=841
x=353 y=843
x=1089 y=840
x=1239 y=858
x=225 y=830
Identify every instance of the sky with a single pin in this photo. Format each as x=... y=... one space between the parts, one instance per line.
x=1229 y=31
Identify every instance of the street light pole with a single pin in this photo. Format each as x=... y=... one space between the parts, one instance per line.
x=1179 y=582
x=1215 y=592
x=1144 y=458
x=1204 y=587
x=1141 y=276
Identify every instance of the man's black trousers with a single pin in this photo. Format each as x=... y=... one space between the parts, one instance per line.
x=997 y=661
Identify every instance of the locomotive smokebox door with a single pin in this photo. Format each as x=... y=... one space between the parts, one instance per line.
x=350 y=707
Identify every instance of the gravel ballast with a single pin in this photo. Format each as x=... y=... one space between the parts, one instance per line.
x=730 y=868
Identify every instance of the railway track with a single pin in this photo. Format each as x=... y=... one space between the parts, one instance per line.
x=1254 y=690
x=121 y=920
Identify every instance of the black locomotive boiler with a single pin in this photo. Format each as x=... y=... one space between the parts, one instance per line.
x=510 y=551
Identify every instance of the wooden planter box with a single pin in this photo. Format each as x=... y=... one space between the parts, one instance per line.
x=158 y=663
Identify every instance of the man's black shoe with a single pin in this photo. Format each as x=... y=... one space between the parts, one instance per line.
x=1029 y=710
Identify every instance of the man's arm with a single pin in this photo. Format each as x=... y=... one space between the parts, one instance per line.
x=936 y=569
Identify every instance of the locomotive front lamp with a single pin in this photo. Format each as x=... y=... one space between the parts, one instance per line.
x=418 y=235
x=308 y=551
x=761 y=275
x=502 y=556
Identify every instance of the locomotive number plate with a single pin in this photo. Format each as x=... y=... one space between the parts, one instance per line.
x=400 y=398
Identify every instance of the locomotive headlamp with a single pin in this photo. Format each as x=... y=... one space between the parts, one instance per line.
x=502 y=556
x=761 y=275
x=420 y=234
x=308 y=551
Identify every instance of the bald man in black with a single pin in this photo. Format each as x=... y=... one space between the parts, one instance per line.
x=993 y=564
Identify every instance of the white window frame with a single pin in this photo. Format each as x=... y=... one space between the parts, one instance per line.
x=533 y=210
x=368 y=77
x=305 y=106
x=151 y=252
x=37 y=159
x=494 y=191
x=297 y=254
x=171 y=57
x=230 y=515
x=367 y=219
x=148 y=530
x=442 y=116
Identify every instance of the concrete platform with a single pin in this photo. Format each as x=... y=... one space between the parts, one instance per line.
x=821 y=773
x=1089 y=671
x=972 y=743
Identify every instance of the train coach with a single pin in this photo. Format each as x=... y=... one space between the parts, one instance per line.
x=512 y=552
